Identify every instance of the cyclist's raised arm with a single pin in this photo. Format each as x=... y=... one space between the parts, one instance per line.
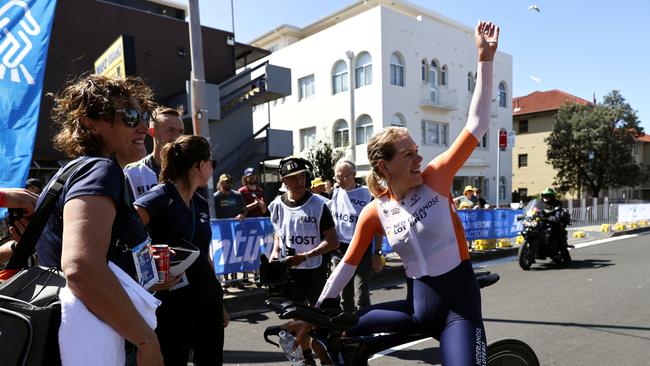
x=448 y=163
x=367 y=227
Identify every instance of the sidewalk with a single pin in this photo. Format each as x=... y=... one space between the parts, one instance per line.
x=250 y=299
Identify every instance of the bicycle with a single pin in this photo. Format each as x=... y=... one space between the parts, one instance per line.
x=330 y=323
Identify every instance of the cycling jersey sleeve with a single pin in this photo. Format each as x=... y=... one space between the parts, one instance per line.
x=440 y=172
x=367 y=227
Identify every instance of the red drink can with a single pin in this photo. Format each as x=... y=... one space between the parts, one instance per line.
x=161 y=255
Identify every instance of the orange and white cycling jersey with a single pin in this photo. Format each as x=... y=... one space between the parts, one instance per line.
x=423 y=228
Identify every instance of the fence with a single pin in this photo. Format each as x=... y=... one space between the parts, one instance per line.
x=594 y=215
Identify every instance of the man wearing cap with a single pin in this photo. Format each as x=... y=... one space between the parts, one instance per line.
x=228 y=204
x=304 y=231
x=165 y=126
x=467 y=197
x=253 y=194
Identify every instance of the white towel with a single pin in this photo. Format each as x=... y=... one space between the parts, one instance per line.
x=86 y=340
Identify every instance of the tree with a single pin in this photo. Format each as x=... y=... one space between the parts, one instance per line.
x=324 y=157
x=591 y=146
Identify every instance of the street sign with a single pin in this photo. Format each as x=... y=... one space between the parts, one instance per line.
x=511 y=139
x=503 y=138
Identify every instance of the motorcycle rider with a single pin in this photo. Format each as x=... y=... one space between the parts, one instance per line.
x=553 y=213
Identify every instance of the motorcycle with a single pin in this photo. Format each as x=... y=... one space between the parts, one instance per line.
x=539 y=225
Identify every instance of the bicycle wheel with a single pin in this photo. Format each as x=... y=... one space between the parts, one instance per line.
x=511 y=352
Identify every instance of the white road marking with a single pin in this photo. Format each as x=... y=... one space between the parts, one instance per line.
x=494 y=262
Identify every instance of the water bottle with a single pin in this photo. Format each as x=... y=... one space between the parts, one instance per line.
x=286 y=343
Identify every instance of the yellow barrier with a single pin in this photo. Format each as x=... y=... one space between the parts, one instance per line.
x=504 y=243
x=643 y=223
x=579 y=234
x=519 y=240
x=485 y=244
x=605 y=228
x=633 y=225
x=619 y=227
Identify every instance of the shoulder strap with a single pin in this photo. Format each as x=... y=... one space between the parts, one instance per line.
x=27 y=243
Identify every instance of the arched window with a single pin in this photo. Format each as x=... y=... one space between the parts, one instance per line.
x=424 y=69
x=503 y=94
x=397 y=120
x=364 y=129
x=339 y=77
x=363 y=70
x=470 y=82
x=396 y=69
x=433 y=81
x=341 y=133
x=443 y=75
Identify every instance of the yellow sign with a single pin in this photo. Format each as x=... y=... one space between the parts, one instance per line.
x=112 y=62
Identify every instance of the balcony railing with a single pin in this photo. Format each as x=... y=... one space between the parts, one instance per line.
x=440 y=97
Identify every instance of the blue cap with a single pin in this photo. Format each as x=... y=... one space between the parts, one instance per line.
x=249 y=171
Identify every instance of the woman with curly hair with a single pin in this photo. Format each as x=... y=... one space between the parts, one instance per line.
x=93 y=230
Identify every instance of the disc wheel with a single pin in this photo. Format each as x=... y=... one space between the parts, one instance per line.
x=511 y=352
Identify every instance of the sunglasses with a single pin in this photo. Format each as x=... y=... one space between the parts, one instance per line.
x=132 y=116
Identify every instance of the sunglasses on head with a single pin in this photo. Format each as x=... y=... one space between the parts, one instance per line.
x=132 y=116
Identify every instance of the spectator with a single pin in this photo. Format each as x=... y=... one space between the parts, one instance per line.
x=329 y=186
x=20 y=199
x=304 y=231
x=229 y=204
x=253 y=194
x=93 y=232
x=348 y=199
x=318 y=187
x=165 y=126
x=192 y=314
x=482 y=203
x=467 y=197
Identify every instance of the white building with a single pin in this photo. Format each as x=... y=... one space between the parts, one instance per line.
x=410 y=66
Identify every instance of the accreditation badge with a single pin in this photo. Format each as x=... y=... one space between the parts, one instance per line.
x=145 y=266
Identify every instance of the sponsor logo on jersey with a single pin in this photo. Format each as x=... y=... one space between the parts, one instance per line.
x=394 y=211
x=344 y=217
x=414 y=199
x=421 y=212
x=358 y=202
x=300 y=240
x=307 y=219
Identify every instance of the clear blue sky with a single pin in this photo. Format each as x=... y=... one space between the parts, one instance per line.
x=578 y=46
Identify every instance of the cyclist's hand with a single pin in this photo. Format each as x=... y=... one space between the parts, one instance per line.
x=301 y=328
x=295 y=260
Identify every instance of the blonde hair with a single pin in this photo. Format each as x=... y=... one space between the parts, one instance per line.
x=165 y=111
x=382 y=147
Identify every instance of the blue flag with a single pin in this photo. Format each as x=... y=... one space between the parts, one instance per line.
x=24 y=36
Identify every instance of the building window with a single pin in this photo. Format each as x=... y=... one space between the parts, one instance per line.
x=396 y=69
x=341 y=134
x=435 y=133
x=340 y=77
x=483 y=142
x=502 y=95
x=364 y=129
x=502 y=188
x=306 y=87
x=307 y=138
x=443 y=75
x=363 y=70
x=522 y=160
x=523 y=192
x=424 y=69
x=397 y=120
x=523 y=126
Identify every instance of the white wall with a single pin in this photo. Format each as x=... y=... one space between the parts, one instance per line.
x=382 y=31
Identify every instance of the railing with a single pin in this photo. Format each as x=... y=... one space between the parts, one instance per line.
x=234 y=158
x=440 y=97
x=594 y=215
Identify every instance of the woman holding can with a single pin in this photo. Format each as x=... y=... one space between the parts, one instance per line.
x=176 y=215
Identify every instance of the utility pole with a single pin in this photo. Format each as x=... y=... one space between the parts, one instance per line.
x=199 y=99
x=352 y=134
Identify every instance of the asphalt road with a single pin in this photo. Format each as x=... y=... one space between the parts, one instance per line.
x=596 y=312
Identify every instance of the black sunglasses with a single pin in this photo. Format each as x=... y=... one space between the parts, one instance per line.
x=132 y=116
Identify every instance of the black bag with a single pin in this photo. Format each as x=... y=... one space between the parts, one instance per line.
x=30 y=311
x=30 y=314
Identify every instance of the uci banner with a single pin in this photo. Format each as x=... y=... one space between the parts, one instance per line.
x=236 y=245
x=24 y=36
x=490 y=224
